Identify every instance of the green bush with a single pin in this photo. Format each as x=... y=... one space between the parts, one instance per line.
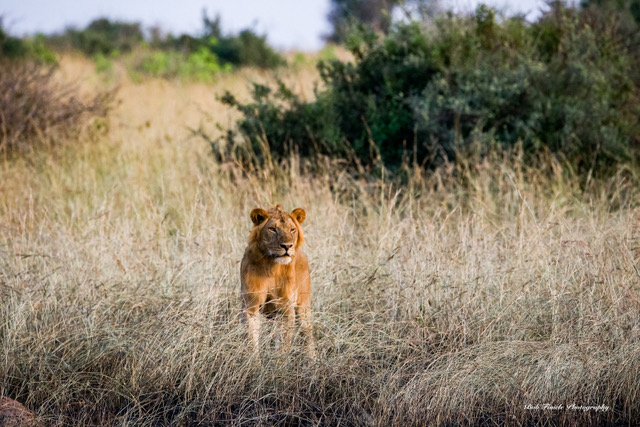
x=100 y=37
x=247 y=49
x=567 y=83
x=104 y=64
x=33 y=48
x=200 y=65
x=241 y=50
x=284 y=119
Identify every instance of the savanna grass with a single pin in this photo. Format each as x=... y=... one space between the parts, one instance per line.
x=456 y=299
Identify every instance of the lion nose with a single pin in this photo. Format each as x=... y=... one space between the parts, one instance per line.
x=287 y=247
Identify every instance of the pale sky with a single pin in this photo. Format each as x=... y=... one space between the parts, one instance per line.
x=288 y=24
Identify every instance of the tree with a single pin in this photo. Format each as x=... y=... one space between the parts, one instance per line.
x=345 y=14
x=632 y=7
x=375 y=14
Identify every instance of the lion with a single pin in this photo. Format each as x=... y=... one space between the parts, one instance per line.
x=274 y=274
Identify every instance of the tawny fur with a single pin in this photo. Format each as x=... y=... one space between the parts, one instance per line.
x=274 y=274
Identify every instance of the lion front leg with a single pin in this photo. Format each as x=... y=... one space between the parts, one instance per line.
x=253 y=321
x=289 y=323
x=251 y=304
x=304 y=315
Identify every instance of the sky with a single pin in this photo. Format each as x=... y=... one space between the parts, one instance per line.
x=288 y=24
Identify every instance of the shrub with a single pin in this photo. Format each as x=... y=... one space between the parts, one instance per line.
x=245 y=49
x=158 y=63
x=567 y=83
x=101 y=36
x=12 y=48
x=34 y=108
x=278 y=117
x=104 y=64
x=200 y=65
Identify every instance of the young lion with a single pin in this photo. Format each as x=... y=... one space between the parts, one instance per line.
x=274 y=274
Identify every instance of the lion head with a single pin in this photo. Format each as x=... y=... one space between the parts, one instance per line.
x=277 y=233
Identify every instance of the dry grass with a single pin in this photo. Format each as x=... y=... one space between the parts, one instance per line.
x=437 y=303
x=36 y=109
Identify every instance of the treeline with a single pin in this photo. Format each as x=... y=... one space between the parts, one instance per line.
x=105 y=37
x=461 y=87
x=152 y=52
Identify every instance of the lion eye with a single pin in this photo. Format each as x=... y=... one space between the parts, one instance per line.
x=272 y=229
x=293 y=230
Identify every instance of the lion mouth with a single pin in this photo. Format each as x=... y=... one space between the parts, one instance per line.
x=279 y=255
x=285 y=255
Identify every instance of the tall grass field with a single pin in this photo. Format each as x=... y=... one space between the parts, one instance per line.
x=498 y=293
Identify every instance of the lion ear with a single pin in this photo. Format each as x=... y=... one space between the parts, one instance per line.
x=258 y=216
x=299 y=214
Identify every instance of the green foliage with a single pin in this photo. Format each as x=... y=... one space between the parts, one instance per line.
x=200 y=65
x=283 y=117
x=346 y=14
x=245 y=49
x=104 y=64
x=376 y=15
x=328 y=53
x=186 y=56
x=567 y=83
x=159 y=63
x=630 y=8
x=38 y=50
x=34 y=48
x=100 y=37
